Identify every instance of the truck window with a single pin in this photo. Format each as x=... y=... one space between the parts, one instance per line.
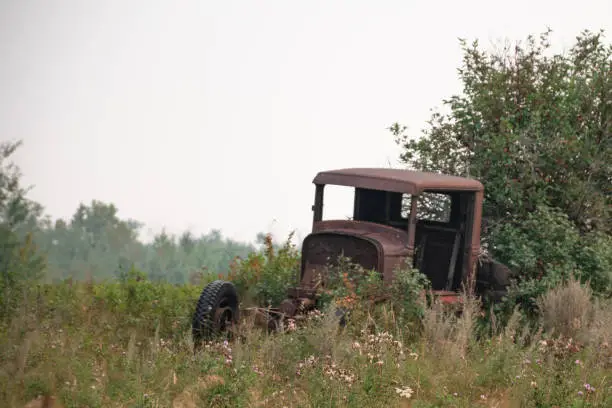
x=338 y=203
x=431 y=207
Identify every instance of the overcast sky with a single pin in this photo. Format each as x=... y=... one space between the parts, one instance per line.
x=200 y=114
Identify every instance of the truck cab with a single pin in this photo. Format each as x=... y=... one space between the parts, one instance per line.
x=433 y=219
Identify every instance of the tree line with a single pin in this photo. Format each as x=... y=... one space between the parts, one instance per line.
x=95 y=243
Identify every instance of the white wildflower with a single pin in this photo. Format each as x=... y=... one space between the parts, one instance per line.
x=404 y=392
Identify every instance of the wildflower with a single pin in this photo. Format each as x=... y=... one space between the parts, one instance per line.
x=534 y=384
x=291 y=325
x=580 y=393
x=404 y=392
x=589 y=388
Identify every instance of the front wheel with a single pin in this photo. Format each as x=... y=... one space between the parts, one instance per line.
x=216 y=312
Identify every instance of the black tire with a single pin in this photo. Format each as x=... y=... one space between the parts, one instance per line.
x=493 y=280
x=217 y=308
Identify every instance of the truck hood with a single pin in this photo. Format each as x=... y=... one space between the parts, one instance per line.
x=392 y=241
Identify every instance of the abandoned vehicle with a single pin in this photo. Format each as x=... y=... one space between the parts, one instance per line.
x=432 y=219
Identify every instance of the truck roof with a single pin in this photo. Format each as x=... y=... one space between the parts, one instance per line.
x=397 y=180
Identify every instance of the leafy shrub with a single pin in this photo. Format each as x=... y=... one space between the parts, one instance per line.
x=407 y=292
x=346 y=284
x=363 y=293
x=534 y=128
x=593 y=254
x=159 y=306
x=546 y=249
x=264 y=276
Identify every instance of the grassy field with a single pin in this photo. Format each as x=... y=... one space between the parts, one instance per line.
x=129 y=345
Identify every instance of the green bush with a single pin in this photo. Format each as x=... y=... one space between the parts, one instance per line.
x=262 y=279
x=160 y=306
x=547 y=249
x=534 y=127
x=407 y=292
x=365 y=296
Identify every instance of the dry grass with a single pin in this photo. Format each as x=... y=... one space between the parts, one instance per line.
x=567 y=310
x=448 y=334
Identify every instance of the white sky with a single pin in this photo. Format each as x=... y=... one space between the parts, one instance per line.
x=201 y=114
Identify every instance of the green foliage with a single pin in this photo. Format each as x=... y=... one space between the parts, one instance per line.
x=362 y=292
x=536 y=129
x=527 y=246
x=164 y=307
x=546 y=249
x=346 y=283
x=407 y=293
x=594 y=255
x=20 y=261
x=262 y=279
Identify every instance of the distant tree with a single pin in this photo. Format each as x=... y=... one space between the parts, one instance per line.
x=20 y=260
x=187 y=242
x=95 y=243
x=98 y=244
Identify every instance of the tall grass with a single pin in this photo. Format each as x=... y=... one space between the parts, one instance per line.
x=128 y=345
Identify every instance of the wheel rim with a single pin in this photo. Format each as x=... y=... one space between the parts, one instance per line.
x=224 y=318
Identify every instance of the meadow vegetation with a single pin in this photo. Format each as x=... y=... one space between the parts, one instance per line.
x=92 y=317
x=128 y=344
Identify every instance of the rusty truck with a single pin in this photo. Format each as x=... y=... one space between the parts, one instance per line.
x=432 y=219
